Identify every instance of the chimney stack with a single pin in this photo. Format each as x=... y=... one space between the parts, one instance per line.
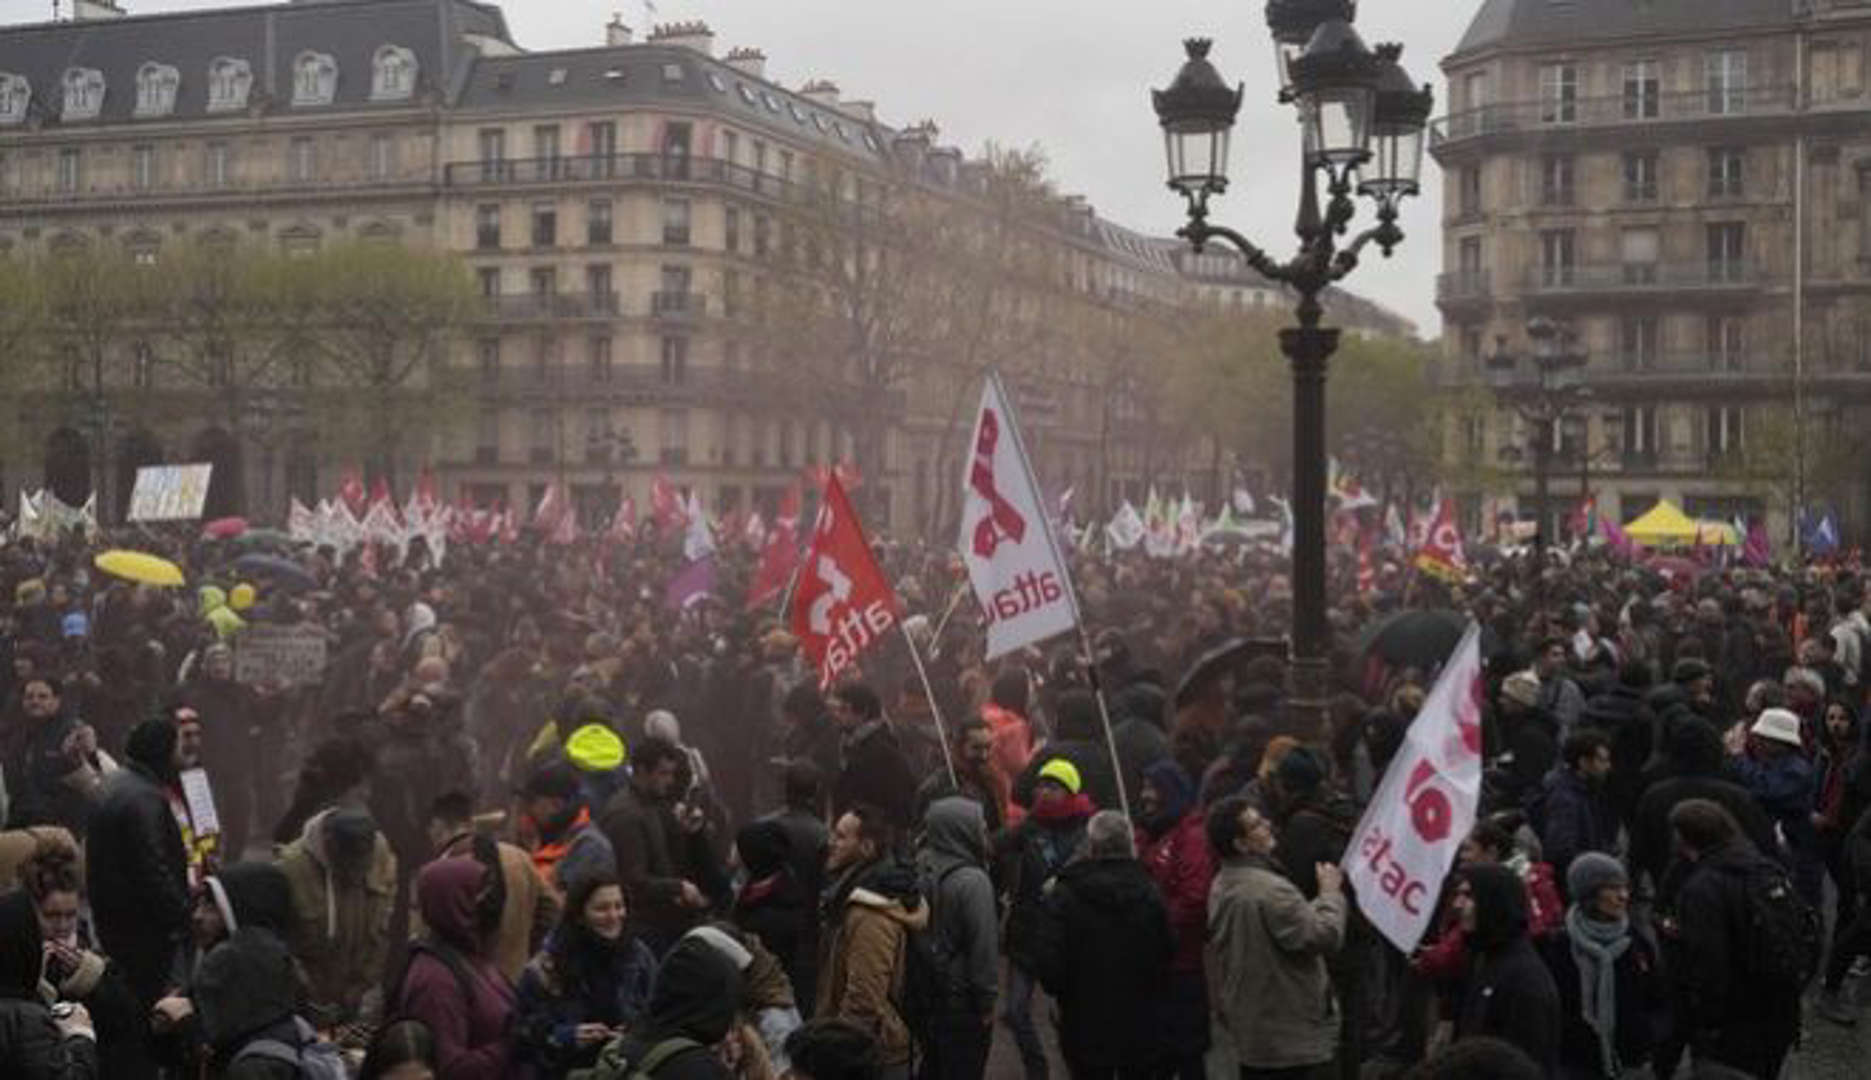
x=860 y=110
x=748 y=61
x=92 y=10
x=616 y=33
x=822 y=92
x=688 y=35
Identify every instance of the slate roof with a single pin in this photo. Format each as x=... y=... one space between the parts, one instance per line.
x=267 y=37
x=634 y=74
x=1513 y=23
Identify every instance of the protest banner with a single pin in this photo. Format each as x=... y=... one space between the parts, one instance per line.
x=284 y=656
x=170 y=492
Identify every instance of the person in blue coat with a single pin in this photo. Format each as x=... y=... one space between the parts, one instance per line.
x=590 y=984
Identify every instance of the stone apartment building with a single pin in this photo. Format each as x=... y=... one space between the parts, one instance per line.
x=1686 y=185
x=616 y=205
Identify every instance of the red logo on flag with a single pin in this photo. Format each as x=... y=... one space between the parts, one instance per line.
x=1003 y=522
x=842 y=605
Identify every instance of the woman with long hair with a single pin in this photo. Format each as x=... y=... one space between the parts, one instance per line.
x=589 y=984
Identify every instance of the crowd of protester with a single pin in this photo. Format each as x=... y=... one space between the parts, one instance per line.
x=531 y=822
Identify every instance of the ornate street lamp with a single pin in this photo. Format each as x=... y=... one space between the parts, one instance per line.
x=1363 y=121
x=1552 y=385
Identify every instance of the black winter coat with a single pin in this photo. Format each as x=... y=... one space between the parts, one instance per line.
x=138 y=875
x=32 y=1048
x=1104 y=953
x=1574 y=817
x=1650 y=832
x=1621 y=714
x=877 y=773
x=1714 y=995
x=1643 y=1004
x=1510 y=995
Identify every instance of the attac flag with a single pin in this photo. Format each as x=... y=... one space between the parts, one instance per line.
x=1424 y=807
x=1006 y=542
x=843 y=604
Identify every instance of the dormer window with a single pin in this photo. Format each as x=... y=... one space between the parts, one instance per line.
x=229 y=81
x=84 y=93
x=156 y=85
x=15 y=95
x=314 y=78
x=392 y=74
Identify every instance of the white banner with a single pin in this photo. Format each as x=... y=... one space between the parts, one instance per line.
x=1125 y=528
x=1424 y=807
x=1006 y=540
x=170 y=492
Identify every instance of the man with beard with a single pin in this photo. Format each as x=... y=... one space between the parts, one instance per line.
x=873 y=905
x=1574 y=815
x=136 y=864
x=229 y=712
x=653 y=850
x=873 y=769
x=973 y=753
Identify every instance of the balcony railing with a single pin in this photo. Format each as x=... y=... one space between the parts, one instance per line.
x=111 y=185
x=1611 y=111
x=678 y=305
x=1623 y=277
x=614 y=167
x=1462 y=285
x=551 y=305
x=1689 y=363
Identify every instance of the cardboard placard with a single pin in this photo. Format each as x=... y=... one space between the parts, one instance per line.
x=170 y=492
x=283 y=655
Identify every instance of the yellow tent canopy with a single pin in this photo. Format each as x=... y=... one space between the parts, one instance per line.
x=1716 y=534
x=1663 y=525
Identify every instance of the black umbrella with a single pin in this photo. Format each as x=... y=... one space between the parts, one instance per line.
x=282 y=572
x=1421 y=639
x=1227 y=657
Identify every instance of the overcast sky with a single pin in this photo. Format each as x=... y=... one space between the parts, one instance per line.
x=1070 y=76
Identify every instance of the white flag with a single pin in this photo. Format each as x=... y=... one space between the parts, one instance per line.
x=699 y=541
x=1425 y=806
x=1126 y=527
x=1006 y=539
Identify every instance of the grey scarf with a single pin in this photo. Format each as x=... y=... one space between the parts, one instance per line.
x=1596 y=947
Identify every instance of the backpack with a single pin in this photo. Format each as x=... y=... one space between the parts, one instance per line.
x=927 y=966
x=613 y=1065
x=1783 y=931
x=313 y=1057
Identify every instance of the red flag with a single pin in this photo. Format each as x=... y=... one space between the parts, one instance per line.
x=555 y=516
x=843 y=604
x=624 y=522
x=428 y=493
x=1441 y=553
x=666 y=506
x=380 y=492
x=351 y=489
x=778 y=557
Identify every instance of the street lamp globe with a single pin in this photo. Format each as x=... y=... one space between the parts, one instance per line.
x=1293 y=23
x=1335 y=84
x=1400 y=115
x=1197 y=112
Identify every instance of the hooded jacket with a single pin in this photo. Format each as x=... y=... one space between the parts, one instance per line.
x=773 y=905
x=450 y=986
x=1174 y=849
x=136 y=866
x=1104 y=953
x=1267 y=946
x=341 y=931
x=245 y=990
x=868 y=915
x=31 y=1044
x=526 y=916
x=962 y=914
x=697 y=993
x=1508 y=994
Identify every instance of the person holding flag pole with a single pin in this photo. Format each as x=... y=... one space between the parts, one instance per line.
x=842 y=605
x=1013 y=559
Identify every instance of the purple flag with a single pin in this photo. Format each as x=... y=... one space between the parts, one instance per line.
x=1615 y=536
x=1758 y=549
x=694 y=582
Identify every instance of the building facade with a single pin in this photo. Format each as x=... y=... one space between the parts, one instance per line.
x=1686 y=187
x=621 y=209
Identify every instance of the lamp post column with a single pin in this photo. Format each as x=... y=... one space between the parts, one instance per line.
x=1309 y=348
x=1542 y=465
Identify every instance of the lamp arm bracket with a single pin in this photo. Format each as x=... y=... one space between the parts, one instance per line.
x=1199 y=233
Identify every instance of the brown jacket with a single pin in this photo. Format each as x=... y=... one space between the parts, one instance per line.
x=1266 y=966
x=340 y=935
x=531 y=910
x=861 y=969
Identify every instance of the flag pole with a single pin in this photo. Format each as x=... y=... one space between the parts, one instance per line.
x=1104 y=719
x=935 y=710
x=942 y=624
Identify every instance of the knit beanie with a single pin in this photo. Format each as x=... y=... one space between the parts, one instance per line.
x=1590 y=872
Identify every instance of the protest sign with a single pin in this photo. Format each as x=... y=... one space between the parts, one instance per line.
x=170 y=492
x=282 y=655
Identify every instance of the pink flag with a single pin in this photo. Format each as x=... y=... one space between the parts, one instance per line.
x=1615 y=536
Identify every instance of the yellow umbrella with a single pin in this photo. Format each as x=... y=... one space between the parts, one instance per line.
x=139 y=566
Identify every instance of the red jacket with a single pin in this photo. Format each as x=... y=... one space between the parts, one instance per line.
x=1013 y=750
x=1446 y=958
x=1180 y=863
